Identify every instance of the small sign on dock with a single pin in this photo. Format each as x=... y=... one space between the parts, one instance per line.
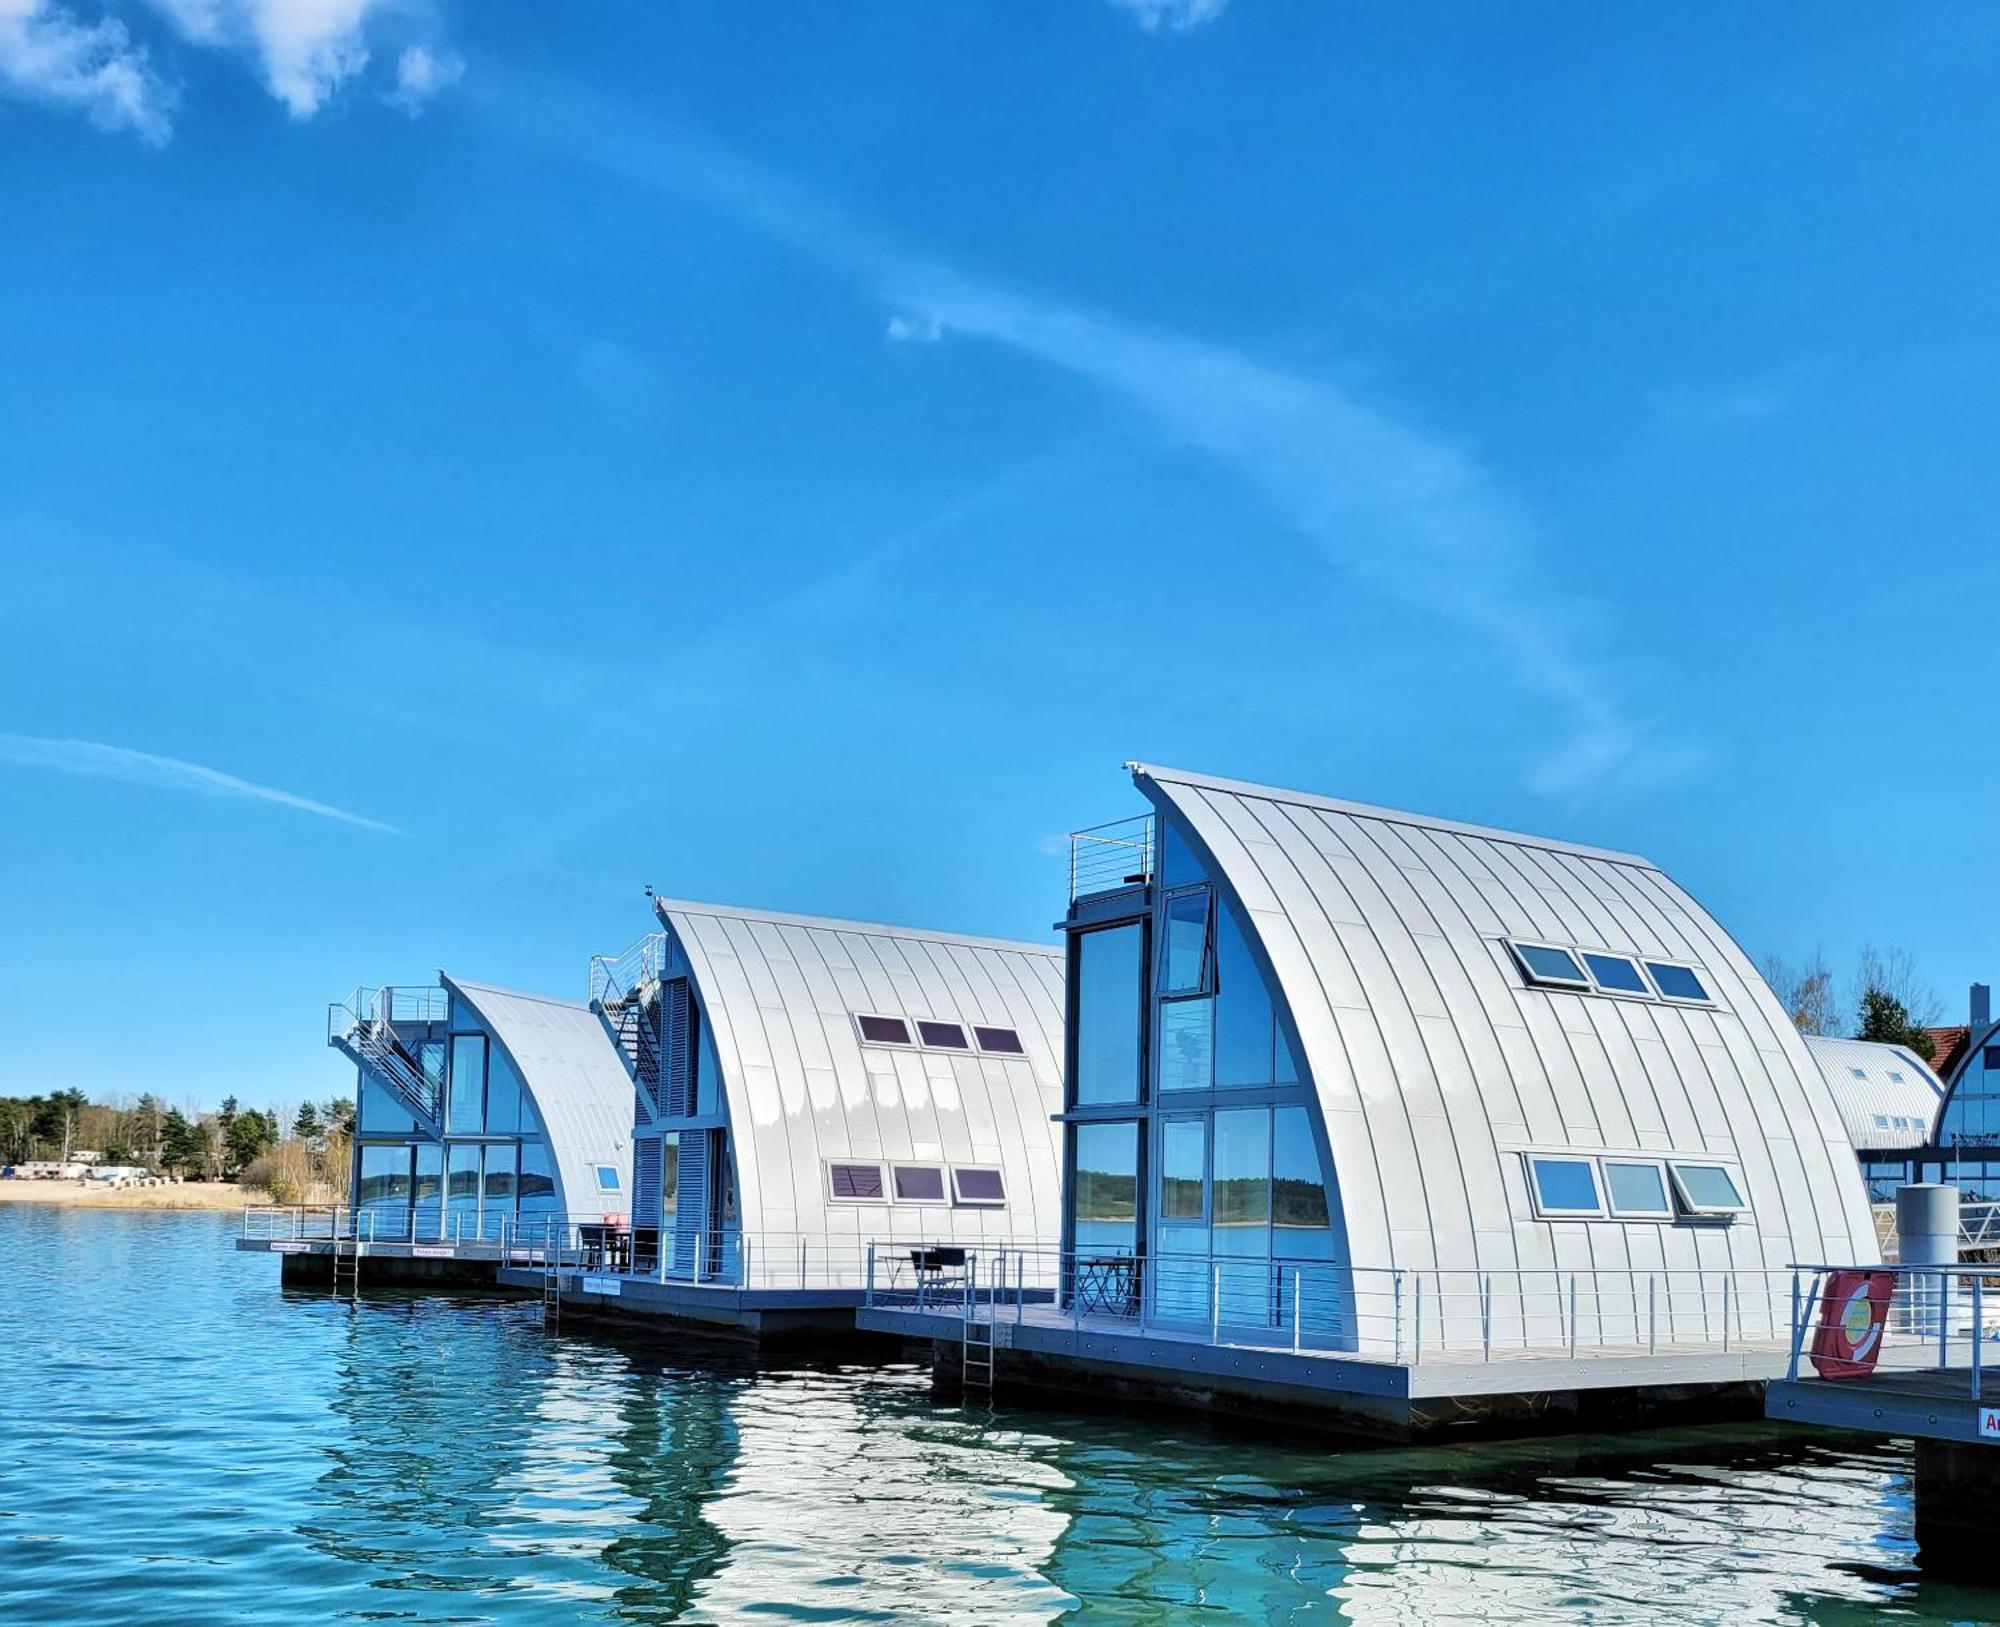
x=598 y=1285
x=1989 y=1423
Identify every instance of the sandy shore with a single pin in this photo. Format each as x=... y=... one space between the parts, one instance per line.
x=94 y=1195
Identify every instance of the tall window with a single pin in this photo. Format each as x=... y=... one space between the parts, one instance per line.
x=1184 y=957
x=1105 y=1194
x=1109 y=997
x=468 y=1084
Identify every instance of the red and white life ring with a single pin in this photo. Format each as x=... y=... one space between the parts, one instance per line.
x=1852 y=1313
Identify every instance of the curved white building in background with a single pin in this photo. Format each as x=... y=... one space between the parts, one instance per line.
x=1888 y=1100
x=802 y=1088
x=1356 y=1078
x=483 y=1115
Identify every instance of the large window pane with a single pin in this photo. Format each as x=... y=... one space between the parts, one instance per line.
x=1300 y=1222
x=385 y=1178
x=379 y=1112
x=461 y=1190
x=503 y=1095
x=1243 y=1009
x=1178 y=865
x=1106 y=1191
x=496 y=1203
x=1108 y=1000
x=1184 y=958
x=1247 y=1288
x=428 y=1194
x=1187 y=1044
x=468 y=1084
x=538 y=1179
x=1183 y=1157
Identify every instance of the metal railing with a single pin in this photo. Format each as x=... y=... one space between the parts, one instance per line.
x=1978 y=1226
x=1940 y=1320
x=366 y=1023
x=1103 y=858
x=617 y=978
x=1406 y=1316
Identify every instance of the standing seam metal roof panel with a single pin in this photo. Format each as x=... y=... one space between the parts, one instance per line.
x=779 y=994
x=1858 y=1073
x=1434 y=1061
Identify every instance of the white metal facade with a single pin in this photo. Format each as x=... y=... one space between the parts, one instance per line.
x=576 y=1080
x=1887 y=1096
x=1436 y=1065
x=779 y=995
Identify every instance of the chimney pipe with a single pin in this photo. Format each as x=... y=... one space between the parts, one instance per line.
x=1982 y=1009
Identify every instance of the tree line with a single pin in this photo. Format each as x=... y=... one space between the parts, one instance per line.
x=191 y=1143
x=1885 y=998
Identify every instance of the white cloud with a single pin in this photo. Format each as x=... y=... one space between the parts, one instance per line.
x=916 y=330
x=1177 y=15
x=48 y=54
x=422 y=72
x=306 y=48
x=1403 y=510
x=95 y=760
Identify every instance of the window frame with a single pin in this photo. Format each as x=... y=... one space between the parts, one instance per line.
x=1579 y=984
x=897 y=1165
x=1598 y=986
x=1542 y=1211
x=964 y=1036
x=1708 y=1211
x=1163 y=955
x=616 y=1188
x=960 y=1201
x=907 y=1043
x=1705 y=998
x=1612 y=1208
x=880 y=1167
x=981 y=1030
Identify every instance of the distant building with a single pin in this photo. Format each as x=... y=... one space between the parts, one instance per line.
x=482 y=1114
x=1888 y=1100
x=1964 y=1147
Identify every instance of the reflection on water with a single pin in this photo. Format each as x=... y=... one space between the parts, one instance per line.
x=179 y=1441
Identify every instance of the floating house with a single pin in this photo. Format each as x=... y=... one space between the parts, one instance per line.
x=821 y=1105
x=484 y=1119
x=1400 y=1121
x=1888 y=1101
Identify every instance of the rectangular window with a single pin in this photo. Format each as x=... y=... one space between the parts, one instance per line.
x=1614 y=974
x=1108 y=999
x=918 y=1183
x=1882 y=1121
x=1895 y=1078
x=942 y=1036
x=1298 y=1191
x=999 y=1041
x=978 y=1185
x=607 y=1178
x=1105 y=1193
x=1545 y=964
x=1243 y=1025
x=855 y=1183
x=1676 y=982
x=538 y=1179
x=1637 y=1189
x=1187 y=1045
x=1184 y=961
x=1243 y=1181
x=1707 y=1189
x=496 y=1200
x=1565 y=1187
x=1183 y=1169
x=883 y=1030
x=468 y=1084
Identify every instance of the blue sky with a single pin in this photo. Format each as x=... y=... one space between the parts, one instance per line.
x=460 y=465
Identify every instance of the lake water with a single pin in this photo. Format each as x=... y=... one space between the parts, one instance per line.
x=181 y=1441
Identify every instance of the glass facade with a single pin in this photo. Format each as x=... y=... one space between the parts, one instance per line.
x=1193 y=1142
x=466 y=1115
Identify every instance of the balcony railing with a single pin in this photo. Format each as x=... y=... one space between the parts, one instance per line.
x=1104 y=858
x=616 y=978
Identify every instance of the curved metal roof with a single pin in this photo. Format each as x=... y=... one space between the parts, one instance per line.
x=1434 y=1063
x=1874 y=1086
x=780 y=994
x=572 y=1070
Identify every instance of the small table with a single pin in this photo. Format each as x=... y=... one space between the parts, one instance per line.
x=1108 y=1282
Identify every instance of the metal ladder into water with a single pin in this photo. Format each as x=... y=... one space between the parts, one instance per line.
x=976 y=1351
x=552 y=1283
x=346 y=1266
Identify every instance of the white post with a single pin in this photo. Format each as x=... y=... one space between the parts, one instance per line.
x=1486 y=1315
x=1653 y=1313
x=870 y=1296
x=1396 y=1301
x=1020 y=1285
x=700 y=1248
x=1417 y=1320
x=1214 y=1304
x=1978 y=1334
x=802 y=1259
x=1298 y=1307
x=1572 y=1313
x=1726 y=1281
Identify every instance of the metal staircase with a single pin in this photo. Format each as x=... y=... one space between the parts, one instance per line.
x=625 y=994
x=365 y=1026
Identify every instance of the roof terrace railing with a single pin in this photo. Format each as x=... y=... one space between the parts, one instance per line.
x=1103 y=858
x=616 y=978
x=366 y=1024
